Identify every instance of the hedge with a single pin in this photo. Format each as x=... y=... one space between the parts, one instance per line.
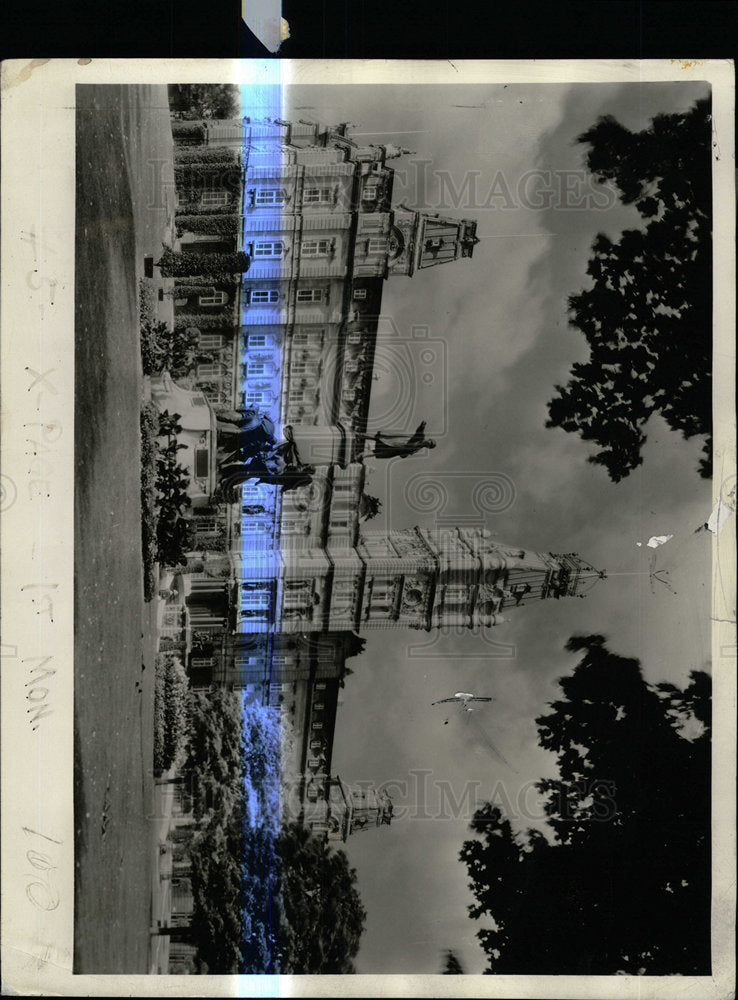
x=149 y=518
x=171 y=692
x=213 y=321
x=186 y=289
x=192 y=131
x=216 y=278
x=195 y=208
x=215 y=225
x=184 y=264
x=205 y=154
x=146 y=301
x=187 y=171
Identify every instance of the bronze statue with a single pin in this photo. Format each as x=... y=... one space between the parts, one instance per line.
x=399 y=445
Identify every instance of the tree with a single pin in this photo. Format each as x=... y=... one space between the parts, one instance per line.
x=205 y=100
x=369 y=506
x=212 y=768
x=174 y=350
x=451 y=965
x=233 y=771
x=322 y=917
x=621 y=883
x=647 y=316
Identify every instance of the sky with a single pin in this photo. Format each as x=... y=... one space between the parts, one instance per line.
x=492 y=344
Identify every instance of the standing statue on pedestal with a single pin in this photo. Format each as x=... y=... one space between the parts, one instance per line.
x=400 y=445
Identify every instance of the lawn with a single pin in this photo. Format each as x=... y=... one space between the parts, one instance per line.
x=122 y=138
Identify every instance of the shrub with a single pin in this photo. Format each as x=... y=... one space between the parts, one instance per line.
x=220 y=320
x=189 y=132
x=213 y=225
x=149 y=518
x=171 y=693
x=146 y=301
x=183 y=289
x=184 y=263
x=176 y=351
x=206 y=155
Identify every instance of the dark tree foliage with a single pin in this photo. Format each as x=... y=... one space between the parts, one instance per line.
x=322 y=917
x=205 y=100
x=369 y=506
x=174 y=350
x=451 y=965
x=624 y=885
x=266 y=900
x=647 y=317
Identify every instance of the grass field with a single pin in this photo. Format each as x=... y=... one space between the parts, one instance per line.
x=122 y=136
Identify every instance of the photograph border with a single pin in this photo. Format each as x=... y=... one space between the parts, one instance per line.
x=38 y=283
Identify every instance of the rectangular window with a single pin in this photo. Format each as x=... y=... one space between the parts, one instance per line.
x=256 y=340
x=254 y=369
x=270 y=196
x=210 y=341
x=316 y=725
x=268 y=248
x=309 y=294
x=259 y=296
x=254 y=398
x=377 y=245
x=316 y=248
x=209 y=370
x=320 y=686
x=360 y=293
x=213 y=299
x=214 y=199
x=216 y=299
x=318 y=706
x=254 y=600
x=316 y=744
x=317 y=196
x=202 y=463
x=370 y=192
x=308 y=338
x=314 y=763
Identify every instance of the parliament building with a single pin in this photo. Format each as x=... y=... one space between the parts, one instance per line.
x=281 y=604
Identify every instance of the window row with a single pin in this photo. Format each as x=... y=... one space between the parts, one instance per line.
x=269 y=296
x=275 y=249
